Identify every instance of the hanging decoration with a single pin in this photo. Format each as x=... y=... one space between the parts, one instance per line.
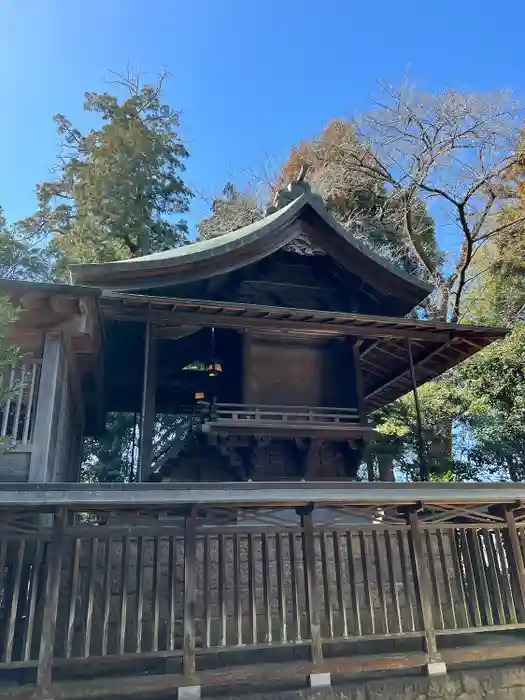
x=215 y=367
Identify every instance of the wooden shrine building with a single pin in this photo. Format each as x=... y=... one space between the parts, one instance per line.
x=304 y=330
x=269 y=348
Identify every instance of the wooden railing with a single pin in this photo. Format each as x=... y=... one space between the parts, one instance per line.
x=19 y=383
x=317 y=415
x=85 y=584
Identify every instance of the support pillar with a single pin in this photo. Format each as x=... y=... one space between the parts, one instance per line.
x=435 y=666
x=49 y=619
x=191 y=691
x=515 y=560
x=423 y=467
x=50 y=390
x=360 y=391
x=316 y=678
x=147 y=416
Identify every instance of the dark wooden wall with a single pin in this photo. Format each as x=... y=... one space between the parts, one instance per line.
x=280 y=371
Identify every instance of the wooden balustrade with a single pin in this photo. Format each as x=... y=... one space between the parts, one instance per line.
x=20 y=384
x=128 y=585
x=281 y=414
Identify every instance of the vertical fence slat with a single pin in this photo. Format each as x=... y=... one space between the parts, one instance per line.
x=190 y=593
x=328 y=610
x=222 y=591
x=28 y=418
x=252 y=578
x=392 y=582
x=34 y=584
x=123 y=595
x=207 y=591
x=492 y=572
x=464 y=617
x=356 y=608
x=140 y=594
x=107 y=595
x=18 y=405
x=296 y=607
x=237 y=589
x=380 y=580
x=52 y=594
x=267 y=598
x=472 y=591
x=367 y=582
x=341 y=604
x=446 y=578
x=404 y=575
x=91 y=596
x=283 y=631
x=15 y=601
x=155 y=592
x=481 y=578
x=73 y=597
x=505 y=577
x=434 y=578
x=172 y=587
x=309 y=561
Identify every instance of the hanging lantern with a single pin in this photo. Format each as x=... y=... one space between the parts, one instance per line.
x=199 y=396
x=215 y=367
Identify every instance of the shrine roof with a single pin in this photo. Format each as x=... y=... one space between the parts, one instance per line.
x=304 y=215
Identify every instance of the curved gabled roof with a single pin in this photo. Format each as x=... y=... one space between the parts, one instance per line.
x=249 y=244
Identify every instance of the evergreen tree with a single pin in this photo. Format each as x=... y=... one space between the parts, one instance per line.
x=118 y=194
x=119 y=189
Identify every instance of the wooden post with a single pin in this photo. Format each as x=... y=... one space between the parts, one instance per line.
x=358 y=370
x=52 y=593
x=310 y=576
x=423 y=467
x=148 y=404
x=435 y=665
x=515 y=561
x=52 y=377
x=190 y=594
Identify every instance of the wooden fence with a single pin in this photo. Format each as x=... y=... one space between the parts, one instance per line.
x=81 y=585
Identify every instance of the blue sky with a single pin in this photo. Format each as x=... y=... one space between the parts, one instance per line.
x=251 y=77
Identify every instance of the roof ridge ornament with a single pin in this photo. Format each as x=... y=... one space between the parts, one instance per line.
x=291 y=191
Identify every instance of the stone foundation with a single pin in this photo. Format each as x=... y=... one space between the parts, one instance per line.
x=495 y=684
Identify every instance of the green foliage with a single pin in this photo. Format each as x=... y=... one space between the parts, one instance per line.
x=119 y=187
x=494 y=380
x=231 y=211
x=113 y=456
x=20 y=257
x=444 y=407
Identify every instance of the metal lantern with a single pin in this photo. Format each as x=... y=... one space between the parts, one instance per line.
x=215 y=367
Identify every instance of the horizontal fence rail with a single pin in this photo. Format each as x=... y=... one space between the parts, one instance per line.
x=18 y=394
x=79 y=584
